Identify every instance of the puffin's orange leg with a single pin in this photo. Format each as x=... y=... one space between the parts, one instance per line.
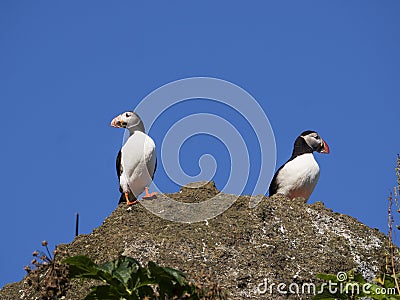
x=127 y=200
x=147 y=195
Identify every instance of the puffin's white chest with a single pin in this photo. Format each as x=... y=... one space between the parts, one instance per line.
x=138 y=158
x=298 y=177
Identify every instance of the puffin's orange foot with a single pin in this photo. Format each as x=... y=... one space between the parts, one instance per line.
x=130 y=202
x=148 y=196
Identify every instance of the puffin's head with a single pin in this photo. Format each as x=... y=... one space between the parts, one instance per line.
x=313 y=140
x=129 y=120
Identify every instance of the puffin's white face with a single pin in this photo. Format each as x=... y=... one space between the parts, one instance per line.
x=129 y=120
x=313 y=140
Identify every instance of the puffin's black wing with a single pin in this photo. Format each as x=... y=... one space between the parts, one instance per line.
x=118 y=164
x=119 y=167
x=273 y=187
x=154 y=171
x=119 y=173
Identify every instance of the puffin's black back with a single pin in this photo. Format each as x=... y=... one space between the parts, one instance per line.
x=300 y=147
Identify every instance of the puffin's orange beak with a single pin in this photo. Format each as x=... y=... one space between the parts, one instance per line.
x=116 y=122
x=325 y=147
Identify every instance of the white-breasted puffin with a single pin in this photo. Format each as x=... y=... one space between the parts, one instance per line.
x=136 y=161
x=299 y=175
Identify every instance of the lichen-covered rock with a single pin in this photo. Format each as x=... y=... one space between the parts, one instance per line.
x=277 y=241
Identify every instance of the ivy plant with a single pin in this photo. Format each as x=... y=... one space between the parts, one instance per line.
x=125 y=278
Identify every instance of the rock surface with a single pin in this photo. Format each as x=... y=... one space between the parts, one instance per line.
x=277 y=241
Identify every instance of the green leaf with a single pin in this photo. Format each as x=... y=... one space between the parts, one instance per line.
x=82 y=267
x=106 y=292
x=359 y=278
x=167 y=273
x=144 y=277
x=108 y=267
x=126 y=267
x=179 y=276
x=170 y=281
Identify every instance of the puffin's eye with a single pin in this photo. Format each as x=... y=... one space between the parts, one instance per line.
x=127 y=115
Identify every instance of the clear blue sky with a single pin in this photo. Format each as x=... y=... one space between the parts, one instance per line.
x=68 y=67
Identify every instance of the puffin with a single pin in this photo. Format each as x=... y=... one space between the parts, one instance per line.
x=136 y=161
x=299 y=175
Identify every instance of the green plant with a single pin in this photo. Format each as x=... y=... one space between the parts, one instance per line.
x=125 y=278
x=351 y=285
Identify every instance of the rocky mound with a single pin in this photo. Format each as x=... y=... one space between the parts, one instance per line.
x=277 y=241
